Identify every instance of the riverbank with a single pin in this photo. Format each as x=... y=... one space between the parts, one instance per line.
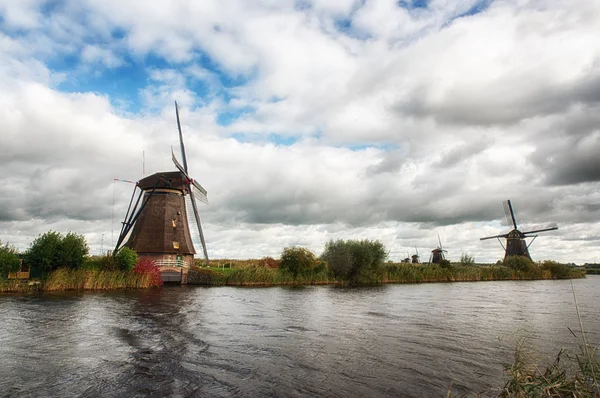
x=261 y=273
x=82 y=279
x=257 y=275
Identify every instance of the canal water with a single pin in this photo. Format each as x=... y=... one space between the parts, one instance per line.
x=394 y=340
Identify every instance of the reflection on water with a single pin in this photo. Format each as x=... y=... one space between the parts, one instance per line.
x=393 y=340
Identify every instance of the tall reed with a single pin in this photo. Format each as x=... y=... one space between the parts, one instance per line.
x=566 y=376
x=94 y=279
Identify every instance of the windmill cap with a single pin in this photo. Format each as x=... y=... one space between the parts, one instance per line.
x=162 y=180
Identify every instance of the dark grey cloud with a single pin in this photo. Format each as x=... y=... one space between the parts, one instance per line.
x=569 y=159
x=502 y=102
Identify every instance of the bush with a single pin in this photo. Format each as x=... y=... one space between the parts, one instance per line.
x=358 y=262
x=9 y=261
x=44 y=251
x=126 y=259
x=149 y=267
x=51 y=251
x=557 y=270
x=445 y=263
x=296 y=260
x=520 y=263
x=466 y=259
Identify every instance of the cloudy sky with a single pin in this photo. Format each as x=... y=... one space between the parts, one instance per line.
x=308 y=120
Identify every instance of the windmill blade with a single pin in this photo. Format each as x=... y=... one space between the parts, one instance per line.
x=495 y=236
x=540 y=230
x=199 y=187
x=440 y=241
x=183 y=158
x=509 y=222
x=131 y=213
x=178 y=165
x=199 y=192
x=512 y=214
x=193 y=226
x=197 y=217
x=417 y=250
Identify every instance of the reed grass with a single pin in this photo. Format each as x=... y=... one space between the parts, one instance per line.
x=17 y=286
x=420 y=273
x=566 y=376
x=250 y=273
x=93 y=279
x=255 y=275
x=80 y=279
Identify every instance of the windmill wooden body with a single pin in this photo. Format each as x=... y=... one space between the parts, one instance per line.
x=157 y=223
x=437 y=254
x=415 y=257
x=516 y=245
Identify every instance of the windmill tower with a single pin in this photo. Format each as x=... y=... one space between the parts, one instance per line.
x=437 y=254
x=157 y=226
x=515 y=239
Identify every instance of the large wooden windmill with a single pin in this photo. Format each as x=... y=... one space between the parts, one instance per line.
x=516 y=245
x=157 y=226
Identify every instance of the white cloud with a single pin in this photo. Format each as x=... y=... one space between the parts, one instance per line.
x=466 y=111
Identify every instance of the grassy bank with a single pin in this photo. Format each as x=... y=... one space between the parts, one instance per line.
x=254 y=275
x=80 y=279
x=416 y=273
x=251 y=274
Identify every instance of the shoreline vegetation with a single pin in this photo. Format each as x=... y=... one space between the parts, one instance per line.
x=253 y=274
x=61 y=263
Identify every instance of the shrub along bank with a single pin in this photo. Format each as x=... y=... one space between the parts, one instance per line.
x=363 y=262
x=61 y=262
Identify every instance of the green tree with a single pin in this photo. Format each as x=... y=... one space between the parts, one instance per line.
x=358 y=261
x=126 y=259
x=44 y=252
x=296 y=260
x=9 y=260
x=52 y=250
x=73 y=250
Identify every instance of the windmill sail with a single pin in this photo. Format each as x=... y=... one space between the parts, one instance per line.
x=515 y=239
x=200 y=195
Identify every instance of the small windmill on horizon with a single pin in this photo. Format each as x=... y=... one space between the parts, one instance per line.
x=415 y=257
x=515 y=239
x=156 y=224
x=437 y=254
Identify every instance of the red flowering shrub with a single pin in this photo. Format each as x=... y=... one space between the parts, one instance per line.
x=269 y=262
x=147 y=266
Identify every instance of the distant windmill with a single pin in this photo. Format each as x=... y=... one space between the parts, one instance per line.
x=515 y=239
x=437 y=254
x=415 y=257
x=157 y=226
x=407 y=259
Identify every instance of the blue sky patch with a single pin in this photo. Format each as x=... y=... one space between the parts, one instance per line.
x=412 y=4
x=479 y=7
